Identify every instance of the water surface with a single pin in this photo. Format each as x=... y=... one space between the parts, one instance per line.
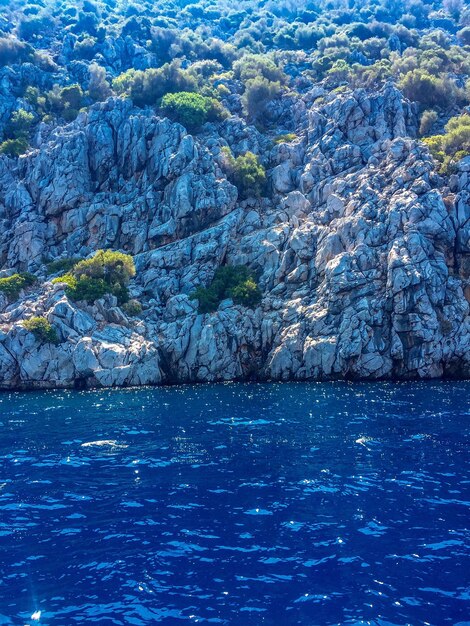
x=238 y=504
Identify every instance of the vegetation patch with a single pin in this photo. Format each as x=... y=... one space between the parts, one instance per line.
x=452 y=146
x=12 y=285
x=13 y=147
x=237 y=282
x=258 y=93
x=428 y=119
x=146 y=87
x=12 y=50
x=65 y=101
x=62 y=265
x=42 y=329
x=17 y=133
x=191 y=109
x=246 y=173
x=107 y=272
x=286 y=138
x=132 y=308
x=248 y=55
x=420 y=86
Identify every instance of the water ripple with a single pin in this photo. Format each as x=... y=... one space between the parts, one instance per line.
x=236 y=504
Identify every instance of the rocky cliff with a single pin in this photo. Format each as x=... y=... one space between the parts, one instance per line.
x=361 y=249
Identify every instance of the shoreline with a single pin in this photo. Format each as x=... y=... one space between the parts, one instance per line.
x=169 y=385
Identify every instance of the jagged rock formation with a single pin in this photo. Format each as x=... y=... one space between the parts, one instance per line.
x=361 y=250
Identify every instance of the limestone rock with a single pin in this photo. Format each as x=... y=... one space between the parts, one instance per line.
x=361 y=251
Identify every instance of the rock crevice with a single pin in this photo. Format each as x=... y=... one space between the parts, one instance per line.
x=361 y=250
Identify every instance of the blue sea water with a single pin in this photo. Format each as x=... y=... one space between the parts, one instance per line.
x=238 y=504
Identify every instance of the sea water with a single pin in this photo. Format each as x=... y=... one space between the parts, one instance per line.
x=238 y=504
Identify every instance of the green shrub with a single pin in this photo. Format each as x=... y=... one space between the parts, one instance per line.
x=106 y=272
x=36 y=99
x=223 y=90
x=453 y=145
x=431 y=91
x=258 y=92
x=121 y=292
x=236 y=282
x=207 y=298
x=132 y=308
x=69 y=114
x=65 y=101
x=12 y=50
x=148 y=86
x=217 y=112
x=14 y=147
x=246 y=293
x=98 y=86
x=17 y=133
x=286 y=138
x=457 y=136
x=68 y=279
x=33 y=96
x=246 y=173
x=86 y=288
x=61 y=265
x=254 y=65
x=42 y=329
x=122 y=84
x=71 y=96
x=338 y=73
x=189 y=109
x=12 y=285
x=20 y=124
x=110 y=265
x=428 y=119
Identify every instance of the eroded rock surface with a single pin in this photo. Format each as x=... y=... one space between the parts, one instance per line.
x=361 y=249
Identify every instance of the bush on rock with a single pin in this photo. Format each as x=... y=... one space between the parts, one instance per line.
x=236 y=282
x=431 y=91
x=107 y=272
x=17 y=133
x=14 y=147
x=191 y=109
x=12 y=285
x=42 y=329
x=61 y=265
x=246 y=173
x=132 y=308
x=148 y=86
x=453 y=145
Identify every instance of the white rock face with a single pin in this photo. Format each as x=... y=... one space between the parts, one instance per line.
x=362 y=252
